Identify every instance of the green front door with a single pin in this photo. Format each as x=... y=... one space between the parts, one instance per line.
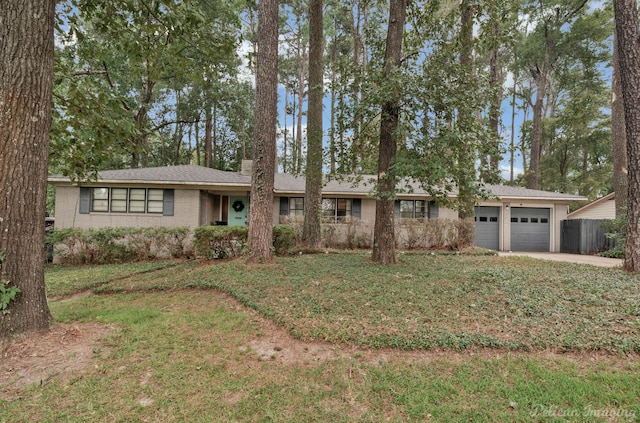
x=238 y=207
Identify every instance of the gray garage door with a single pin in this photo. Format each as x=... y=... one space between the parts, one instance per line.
x=487 y=227
x=530 y=229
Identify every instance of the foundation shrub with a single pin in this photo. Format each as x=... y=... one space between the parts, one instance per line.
x=217 y=242
x=284 y=239
x=117 y=245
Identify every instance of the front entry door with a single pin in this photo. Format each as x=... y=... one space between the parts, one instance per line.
x=238 y=207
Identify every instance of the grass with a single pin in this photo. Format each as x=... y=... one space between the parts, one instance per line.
x=428 y=301
x=182 y=351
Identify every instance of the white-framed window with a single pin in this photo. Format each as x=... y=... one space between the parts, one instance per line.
x=127 y=200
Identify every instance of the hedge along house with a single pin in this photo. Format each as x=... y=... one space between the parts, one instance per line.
x=517 y=219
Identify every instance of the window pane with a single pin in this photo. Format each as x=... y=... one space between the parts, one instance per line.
x=483 y=218
x=137 y=194
x=118 y=193
x=344 y=207
x=406 y=209
x=422 y=209
x=524 y=220
x=534 y=220
x=329 y=207
x=156 y=194
x=514 y=220
x=100 y=200
x=493 y=219
x=119 y=206
x=544 y=220
x=296 y=206
x=154 y=206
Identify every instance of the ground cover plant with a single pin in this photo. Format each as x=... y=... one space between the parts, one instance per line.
x=183 y=345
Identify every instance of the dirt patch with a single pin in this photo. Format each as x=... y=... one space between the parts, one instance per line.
x=34 y=358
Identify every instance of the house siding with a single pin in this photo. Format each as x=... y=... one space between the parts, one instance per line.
x=68 y=216
x=604 y=210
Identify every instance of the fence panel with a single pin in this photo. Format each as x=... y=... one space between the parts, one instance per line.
x=584 y=236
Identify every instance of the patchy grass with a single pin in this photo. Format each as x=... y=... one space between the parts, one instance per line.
x=427 y=301
x=188 y=355
x=63 y=281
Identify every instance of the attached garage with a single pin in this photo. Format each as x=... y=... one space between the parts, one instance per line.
x=530 y=229
x=488 y=227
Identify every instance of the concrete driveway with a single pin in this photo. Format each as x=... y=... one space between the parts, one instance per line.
x=570 y=258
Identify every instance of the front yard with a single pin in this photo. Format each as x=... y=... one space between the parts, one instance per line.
x=332 y=337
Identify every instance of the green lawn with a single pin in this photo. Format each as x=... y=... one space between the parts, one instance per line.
x=492 y=339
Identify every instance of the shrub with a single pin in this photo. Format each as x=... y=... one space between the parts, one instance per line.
x=219 y=241
x=117 y=245
x=617 y=232
x=284 y=239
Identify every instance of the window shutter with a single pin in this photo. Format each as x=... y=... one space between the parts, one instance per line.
x=356 y=208
x=396 y=208
x=167 y=202
x=433 y=210
x=85 y=200
x=284 y=206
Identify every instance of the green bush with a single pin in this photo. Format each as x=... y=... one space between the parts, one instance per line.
x=284 y=239
x=616 y=231
x=214 y=242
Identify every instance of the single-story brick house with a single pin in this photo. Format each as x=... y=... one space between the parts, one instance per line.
x=517 y=219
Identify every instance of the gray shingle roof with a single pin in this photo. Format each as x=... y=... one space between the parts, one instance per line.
x=291 y=184
x=171 y=174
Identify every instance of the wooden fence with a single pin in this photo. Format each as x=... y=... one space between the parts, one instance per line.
x=584 y=236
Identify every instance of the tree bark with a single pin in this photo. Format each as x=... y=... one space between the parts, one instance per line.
x=466 y=164
x=208 y=138
x=618 y=136
x=626 y=17
x=384 y=231
x=311 y=231
x=264 y=139
x=26 y=81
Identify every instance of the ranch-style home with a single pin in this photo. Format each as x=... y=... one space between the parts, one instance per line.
x=517 y=219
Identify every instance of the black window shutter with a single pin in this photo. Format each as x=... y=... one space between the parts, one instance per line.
x=85 y=200
x=284 y=206
x=356 y=208
x=396 y=208
x=167 y=202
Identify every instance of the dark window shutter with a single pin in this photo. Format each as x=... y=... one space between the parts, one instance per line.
x=284 y=206
x=396 y=208
x=85 y=200
x=356 y=208
x=167 y=202
x=433 y=210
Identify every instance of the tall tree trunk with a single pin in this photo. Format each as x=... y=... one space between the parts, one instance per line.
x=26 y=81
x=512 y=147
x=496 y=81
x=302 y=71
x=208 y=138
x=618 y=136
x=311 y=230
x=264 y=139
x=384 y=236
x=626 y=16
x=536 y=131
x=466 y=191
